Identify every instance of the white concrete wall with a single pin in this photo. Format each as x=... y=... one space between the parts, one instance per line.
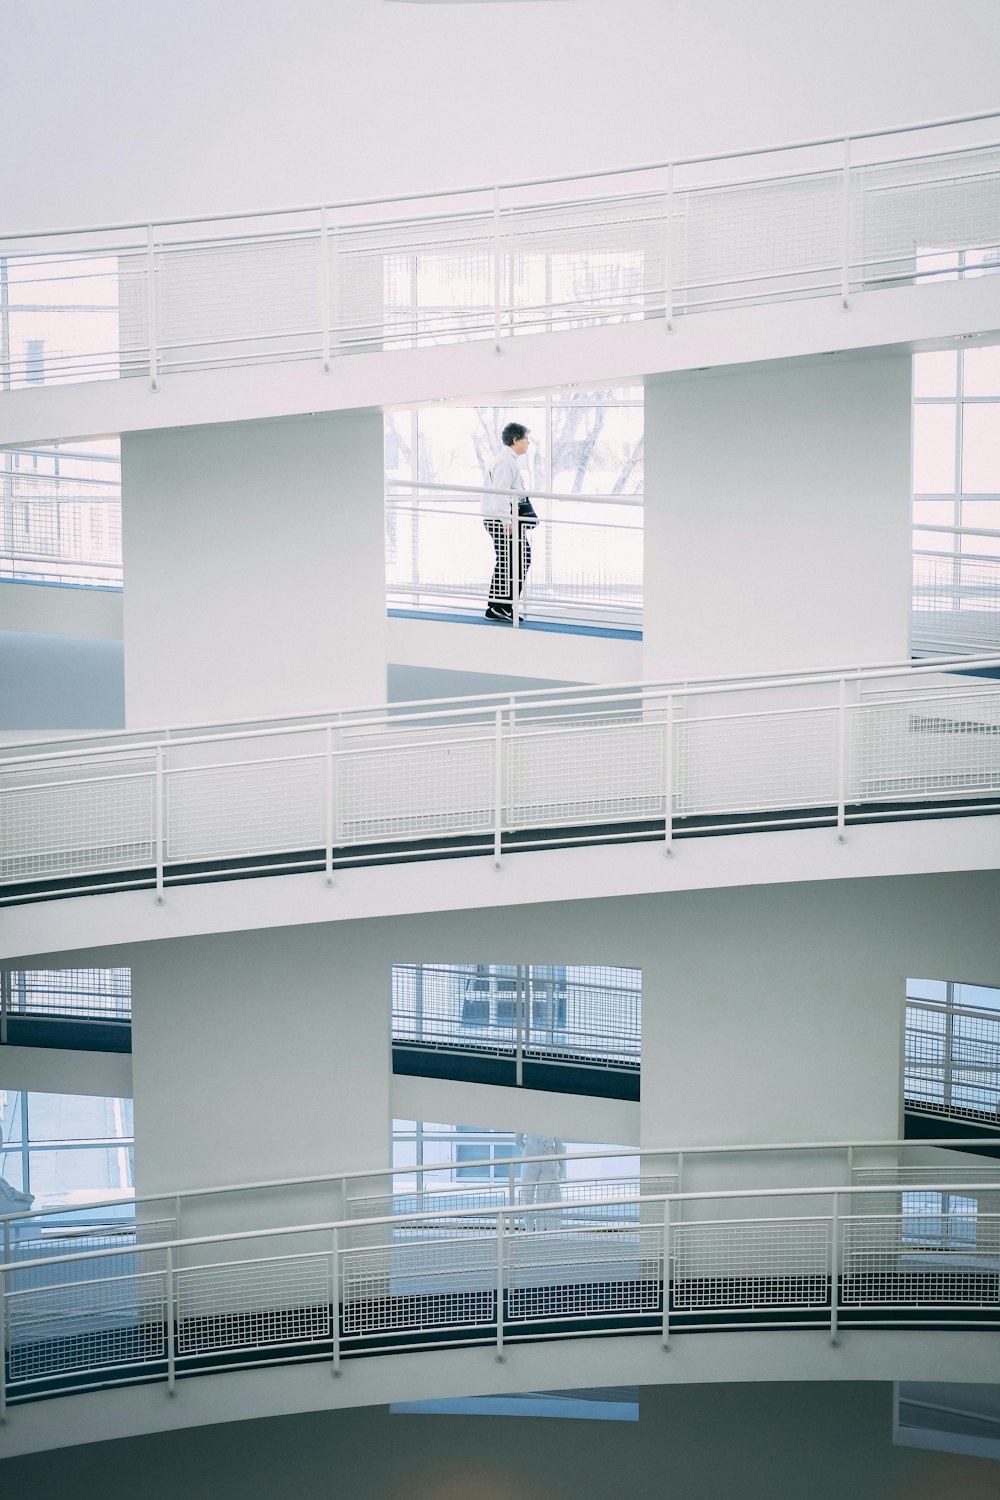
x=778 y=518
x=246 y=102
x=771 y=1014
x=50 y=610
x=259 y=1060
x=254 y=567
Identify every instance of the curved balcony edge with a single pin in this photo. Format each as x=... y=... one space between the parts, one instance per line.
x=725 y=1358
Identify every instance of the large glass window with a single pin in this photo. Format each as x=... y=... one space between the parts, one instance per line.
x=585 y=559
x=66 y=1148
x=952 y=1064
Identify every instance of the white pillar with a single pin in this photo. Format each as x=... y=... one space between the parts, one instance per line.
x=778 y=517
x=254 y=568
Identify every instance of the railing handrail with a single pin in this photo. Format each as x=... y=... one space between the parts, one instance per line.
x=457 y=1215
x=395 y=717
x=705 y=158
x=359 y=1174
x=636 y=499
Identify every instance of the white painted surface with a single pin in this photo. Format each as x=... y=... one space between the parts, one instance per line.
x=234 y=107
x=254 y=559
x=717 y=1358
x=574 y=1117
x=771 y=1013
x=42 y=608
x=618 y=354
x=58 y=1070
x=778 y=518
x=258 y=1057
x=929 y=846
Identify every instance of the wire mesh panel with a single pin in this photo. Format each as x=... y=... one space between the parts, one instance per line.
x=581 y=1013
x=56 y=531
x=423 y=1285
x=97 y=1315
x=68 y=819
x=751 y=1263
x=756 y=762
x=956 y=602
x=925 y=746
x=250 y=297
x=249 y=808
x=566 y=1273
x=408 y=791
x=593 y=773
x=253 y=1304
x=942 y=202
x=582 y=263
x=756 y=241
x=87 y=994
x=61 y=311
x=898 y=1259
x=952 y=1061
x=40 y=1237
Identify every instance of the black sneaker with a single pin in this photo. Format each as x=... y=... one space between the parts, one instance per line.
x=500 y=612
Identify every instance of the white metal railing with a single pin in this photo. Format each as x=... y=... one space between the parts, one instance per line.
x=952 y=1064
x=661 y=1262
x=956 y=595
x=586 y=1016
x=538 y=772
x=60 y=527
x=426 y=1185
x=580 y=563
x=64 y=995
x=825 y=217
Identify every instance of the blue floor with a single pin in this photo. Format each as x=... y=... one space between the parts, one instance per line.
x=454 y=618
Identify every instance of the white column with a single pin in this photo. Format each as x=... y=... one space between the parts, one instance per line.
x=254 y=568
x=778 y=517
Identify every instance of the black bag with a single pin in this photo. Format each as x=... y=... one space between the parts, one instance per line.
x=526 y=513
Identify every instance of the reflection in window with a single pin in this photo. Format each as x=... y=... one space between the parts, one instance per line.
x=608 y=1404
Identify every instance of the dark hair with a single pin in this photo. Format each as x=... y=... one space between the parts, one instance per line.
x=513 y=433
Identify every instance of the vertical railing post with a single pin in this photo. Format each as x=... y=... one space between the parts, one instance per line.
x=177 y=1218
x=171 y=1308
x=6 y=1242
x=497 y=273
x=160 y=897
x=4 y=1003
x=668 y=256
x=519 y=1021
x=329 y=798
x=668 y=779
x=3 y=1340
x=512 y=1189
x=665 y=1334
x=516 y=535
x=835 y=1271
x=324 y=285
x=842 y=761
x=151 y=310
x=335 y=1300
x=845 y=228
x=500 y=1356
x=498 y=766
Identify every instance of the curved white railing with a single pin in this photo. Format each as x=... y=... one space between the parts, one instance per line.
x=644 y=1257
x=539 y=772
x=824 y=217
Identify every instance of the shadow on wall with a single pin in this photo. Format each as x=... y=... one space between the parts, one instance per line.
x=60 y=682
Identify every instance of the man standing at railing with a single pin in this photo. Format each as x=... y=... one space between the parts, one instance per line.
x=508 y=522
x=540 y=1179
